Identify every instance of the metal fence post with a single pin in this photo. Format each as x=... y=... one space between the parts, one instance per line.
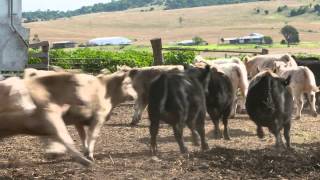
x=156 y=44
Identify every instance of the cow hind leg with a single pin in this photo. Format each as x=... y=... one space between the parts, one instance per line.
x=93 y=133
x=215 y=119
x=194 y=134
x=260 y=132
x=225 y=124
x=201 y=130
x=83 y=137
x=286 y=133
x=312 y=101
x=178 y=134
x=299 y=103
x=154 y=129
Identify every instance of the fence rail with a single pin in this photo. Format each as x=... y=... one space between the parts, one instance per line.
x=158 y=57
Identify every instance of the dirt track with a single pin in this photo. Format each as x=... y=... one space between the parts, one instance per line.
x=122 y=152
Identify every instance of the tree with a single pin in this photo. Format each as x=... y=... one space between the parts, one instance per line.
x=266 y=12
x=290 y=34
x=267 y=39
x=198 y=40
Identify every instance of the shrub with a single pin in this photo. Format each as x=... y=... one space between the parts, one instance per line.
x=301 y=10
x=93 y=60
x=179 y=57
x=198 y=40
x=283 y=41
x=267 y=40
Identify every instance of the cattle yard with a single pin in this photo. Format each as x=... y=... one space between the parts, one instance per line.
x=122 y=152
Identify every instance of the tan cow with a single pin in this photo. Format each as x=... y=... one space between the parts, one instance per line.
x=97 y=95
x=302 y=82
x=141 y=79
x=237 y=73
x=266 y=61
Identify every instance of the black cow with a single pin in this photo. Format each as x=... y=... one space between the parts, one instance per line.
x=219 y=101
x=314 y=65
x=270 y=104
x=179 y=99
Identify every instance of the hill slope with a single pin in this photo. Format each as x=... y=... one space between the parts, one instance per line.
x=211 y=23
x=121 y=5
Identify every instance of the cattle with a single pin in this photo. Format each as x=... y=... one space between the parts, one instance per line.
x=266 y=61
x=178 y=98
x=63 y=99
x=237 y=73
x=141 y=79
x=314 y=66
x=97 y=97
x=269 y=104
x=302 y=82
x=219 y=101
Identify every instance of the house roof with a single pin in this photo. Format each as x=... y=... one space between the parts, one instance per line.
x=250 y=36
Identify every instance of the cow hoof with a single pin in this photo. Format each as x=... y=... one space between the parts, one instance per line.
x=227 y=138
x=134 y=123
x=196 y=143
x=314 y=114
x=205 y=147
x=298 y=118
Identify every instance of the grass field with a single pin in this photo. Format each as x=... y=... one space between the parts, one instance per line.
x=211 y=23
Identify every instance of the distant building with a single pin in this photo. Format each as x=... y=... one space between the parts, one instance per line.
x=109 y=41
x=63 y=44
x=253 y=38
x=186 y=43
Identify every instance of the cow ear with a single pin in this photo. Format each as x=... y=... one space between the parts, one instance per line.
x=186 y=66
x=246 y=59
x=133 y=73
x=287 y=81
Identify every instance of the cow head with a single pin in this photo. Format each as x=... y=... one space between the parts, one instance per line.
x=118 y=87
x=202 y=74
x=15 y=96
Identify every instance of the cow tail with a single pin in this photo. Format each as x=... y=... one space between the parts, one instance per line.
x=164 y=79
x=243 y=81
x=311 y=79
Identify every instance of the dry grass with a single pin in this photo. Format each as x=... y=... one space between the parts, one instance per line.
x=122 y=152
x=211 y=23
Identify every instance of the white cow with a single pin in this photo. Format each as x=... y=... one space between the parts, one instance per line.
x=302 y=81
x=266 y=62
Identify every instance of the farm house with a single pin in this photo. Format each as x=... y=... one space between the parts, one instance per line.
x=253 y=38
x=14 y=37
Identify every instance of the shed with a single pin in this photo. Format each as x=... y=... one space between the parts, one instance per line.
x=63 y=44
x=109 y=41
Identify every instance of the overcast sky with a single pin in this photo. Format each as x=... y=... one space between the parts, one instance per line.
x=63 y=5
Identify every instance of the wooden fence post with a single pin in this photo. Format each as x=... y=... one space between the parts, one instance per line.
x=265 y=51
x=157 y=51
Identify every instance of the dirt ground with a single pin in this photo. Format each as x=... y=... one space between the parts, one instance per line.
x=122 y=152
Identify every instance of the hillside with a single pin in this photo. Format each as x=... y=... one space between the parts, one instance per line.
x=120 y=5
x=211 y=23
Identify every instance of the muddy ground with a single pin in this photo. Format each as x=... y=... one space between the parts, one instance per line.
x=122 y=152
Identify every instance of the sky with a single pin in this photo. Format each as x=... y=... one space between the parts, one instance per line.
x=62 y=5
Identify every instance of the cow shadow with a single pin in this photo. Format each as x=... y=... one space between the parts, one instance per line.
x=127 y=125
x=268 y=162
x=188 y=138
